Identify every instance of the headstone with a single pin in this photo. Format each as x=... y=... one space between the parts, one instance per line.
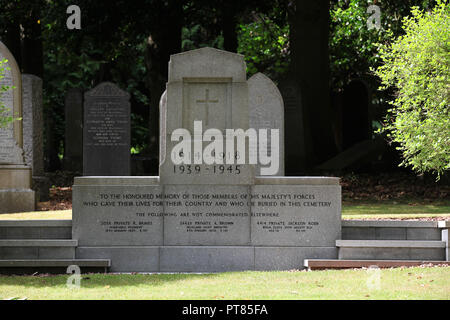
x=296 y=129
x=266 y=111
x=355 y=114
x=207 y=217
x=15 y=177
x=106 y=131
x=210 y=86
x=73 y=143
x=33 y=133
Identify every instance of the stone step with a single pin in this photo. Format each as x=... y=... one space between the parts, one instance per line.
x=391 y=230
x=321 y=264
x=37 y=249
x=30 y=266
x=391 y=250
x=35 y=229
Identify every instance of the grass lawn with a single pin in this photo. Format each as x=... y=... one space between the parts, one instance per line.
x=400 y=283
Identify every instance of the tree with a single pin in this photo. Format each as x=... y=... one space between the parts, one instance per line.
x=417 y=65
x=309 y=31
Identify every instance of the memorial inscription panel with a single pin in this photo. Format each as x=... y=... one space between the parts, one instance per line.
x=106 y=138
x=290 y=215
x=117 y=215
x=205 y=215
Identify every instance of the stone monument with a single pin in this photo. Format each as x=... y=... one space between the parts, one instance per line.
x=15 y=177
x=33 y=134
x=209 y=215
x=106 y=131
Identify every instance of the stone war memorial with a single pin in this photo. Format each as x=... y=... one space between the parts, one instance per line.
x=213 y=207
x=15 y=175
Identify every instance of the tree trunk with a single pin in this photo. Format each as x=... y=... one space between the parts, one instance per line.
x=230 y=41
x=163 y=41
x=309 y=28
x=32 y=50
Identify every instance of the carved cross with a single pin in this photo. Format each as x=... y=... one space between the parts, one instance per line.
x=206 y=101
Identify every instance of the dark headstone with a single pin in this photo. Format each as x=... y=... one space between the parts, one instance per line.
x=296 y=136
x=355 y=114
x=73 y=147
x=106 y=131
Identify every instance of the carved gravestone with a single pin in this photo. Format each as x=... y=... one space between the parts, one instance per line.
x=266 y=111
x=33 y=133
x=106 y=131
x=15 y=177
x=73 y=144
x=296 y=133
x=210 y=86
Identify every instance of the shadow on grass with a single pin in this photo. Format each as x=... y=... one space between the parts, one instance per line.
x=100 y=280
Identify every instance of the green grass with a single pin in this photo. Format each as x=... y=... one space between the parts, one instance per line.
x=394 y=209
x=399 y=283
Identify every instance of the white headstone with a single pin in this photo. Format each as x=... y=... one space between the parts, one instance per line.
x=210 y=86
x=266 y=111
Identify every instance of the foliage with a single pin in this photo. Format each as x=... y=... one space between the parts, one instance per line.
x=265 y=45
x=5 y=116
x=263 y=39
x=417 y=64
x=353 y=47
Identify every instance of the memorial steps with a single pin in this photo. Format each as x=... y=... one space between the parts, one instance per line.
x=29 y=246
x=386 y=244
x=45 y=246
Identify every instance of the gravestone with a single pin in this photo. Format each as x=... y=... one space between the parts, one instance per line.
x=213 y=89
x=266 y=111
x=298 y=151
x=15 y=177
x=73 y=143
x=33 y=134
x=355 y=114
x=198 y=217
x=106 y=131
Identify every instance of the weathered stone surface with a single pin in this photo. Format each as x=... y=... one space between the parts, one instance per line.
x=266 y=112
x=289 y=258
x=11 y=137
x=207 y=85
x=126 y=215
x=206 y=215
x=206 y=259
x=296 y=215
x=296 y=128
x=124 y=258
x=15 y=176
x=33 y=123
x=33 y=134
x=106 y=132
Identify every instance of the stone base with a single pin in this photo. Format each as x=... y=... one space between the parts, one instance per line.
x=13 y=200
x=15 y=189
x=204 y=258
x=41 y=185
x=15 y=177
